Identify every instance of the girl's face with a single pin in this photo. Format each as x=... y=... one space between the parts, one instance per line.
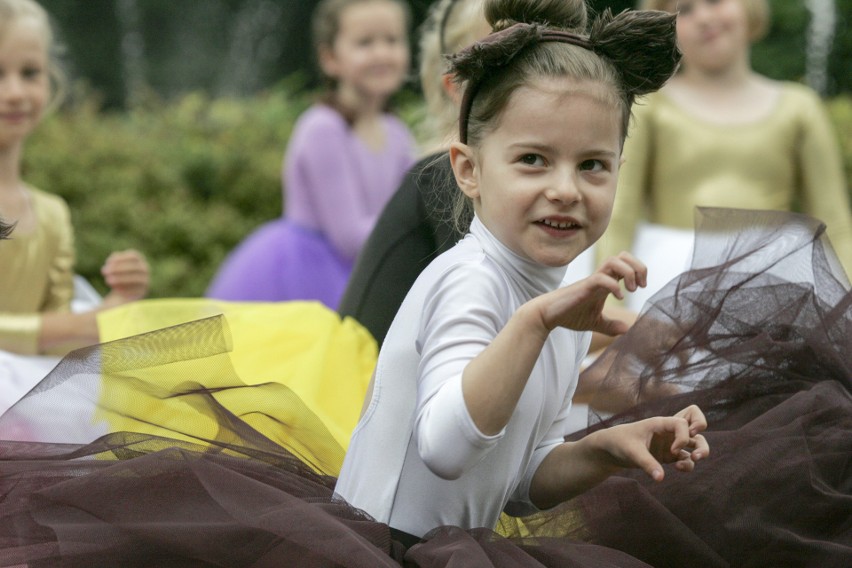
x=712 y=34
x=24 y=80
x=544 y=180
x=370 y=53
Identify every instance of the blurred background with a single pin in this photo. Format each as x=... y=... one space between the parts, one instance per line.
x=178 y=113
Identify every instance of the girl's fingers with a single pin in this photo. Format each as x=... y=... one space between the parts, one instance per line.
x=701 y=448
x=696 y=419
x=628 y=268
x=646 y=462
x=680 y=429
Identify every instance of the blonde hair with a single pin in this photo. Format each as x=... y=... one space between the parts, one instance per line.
x=12 y=10
x=450 y=26
x=757 y=12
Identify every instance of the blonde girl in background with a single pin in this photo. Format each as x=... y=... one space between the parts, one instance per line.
x=344 y=159
x=417 y=224
x=720 y=134
x=36 y=280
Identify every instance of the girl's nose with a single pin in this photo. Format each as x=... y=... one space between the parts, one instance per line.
x=564 y=190
x=11 y=87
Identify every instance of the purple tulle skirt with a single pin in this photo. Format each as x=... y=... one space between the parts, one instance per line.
x=279 y=262
x=758 y=334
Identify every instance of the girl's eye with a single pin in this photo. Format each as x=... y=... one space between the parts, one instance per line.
x=532 y=160
x=31 y=72
x=592 y=166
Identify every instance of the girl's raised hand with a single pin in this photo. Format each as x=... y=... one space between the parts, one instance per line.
x=128 y=276
x=580 y=305
x=654 y=441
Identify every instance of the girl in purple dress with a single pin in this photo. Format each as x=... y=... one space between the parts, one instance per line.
x=345 y=157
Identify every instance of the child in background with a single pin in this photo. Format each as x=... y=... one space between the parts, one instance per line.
x=465 y=417
x=36 y=283
x=345 y=157
x=721 y=135
x=416 y=225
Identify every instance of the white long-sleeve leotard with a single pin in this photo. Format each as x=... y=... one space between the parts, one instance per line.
x=416 y=460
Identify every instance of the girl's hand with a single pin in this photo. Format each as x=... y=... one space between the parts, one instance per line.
x=127 y=274
x=580 y=305
x=649 y=443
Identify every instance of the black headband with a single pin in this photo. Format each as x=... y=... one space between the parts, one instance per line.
x=528 y=34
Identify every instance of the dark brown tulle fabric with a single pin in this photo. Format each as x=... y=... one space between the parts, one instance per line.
x=757 y=334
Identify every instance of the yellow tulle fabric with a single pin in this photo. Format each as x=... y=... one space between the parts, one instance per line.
x=299 y=355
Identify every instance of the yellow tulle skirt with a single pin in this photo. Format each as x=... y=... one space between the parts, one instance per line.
x=304 y=355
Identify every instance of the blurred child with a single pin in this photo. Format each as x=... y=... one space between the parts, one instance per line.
x=466 y=413
x=345 y=157
x=36 y=282
x=721 y=135
x=417 y=225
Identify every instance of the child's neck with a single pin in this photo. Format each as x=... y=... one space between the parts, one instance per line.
x=15 y=200
x=735 y=95
x=366 y=114
x=735 y=76
x=10 y=169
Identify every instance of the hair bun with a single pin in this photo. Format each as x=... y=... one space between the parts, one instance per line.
x=643 y=45
x=564 y=14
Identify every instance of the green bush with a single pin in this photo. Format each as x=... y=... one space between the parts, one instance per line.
x=182 y=182
x=185 y=182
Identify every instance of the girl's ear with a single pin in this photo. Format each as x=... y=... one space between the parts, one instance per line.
x=327 y=61
x=465 y=168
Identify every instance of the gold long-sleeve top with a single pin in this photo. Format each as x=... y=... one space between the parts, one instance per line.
x=789 y=160
x=36 y=274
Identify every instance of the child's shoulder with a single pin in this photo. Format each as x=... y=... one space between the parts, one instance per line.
x=466 y=271
x=321 y=117
x=49 y=203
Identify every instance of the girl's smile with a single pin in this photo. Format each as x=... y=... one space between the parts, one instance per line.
x=544 y=180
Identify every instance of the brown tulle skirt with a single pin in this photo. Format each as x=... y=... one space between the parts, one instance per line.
x=757 y=334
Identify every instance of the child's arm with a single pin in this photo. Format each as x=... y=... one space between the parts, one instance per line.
x=575 y=467
x=492 y=383
x=127 y=274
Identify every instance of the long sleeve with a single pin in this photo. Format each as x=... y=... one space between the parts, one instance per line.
x=459 y=324
x=37 y=275
x=337 y=186
x=824 y=190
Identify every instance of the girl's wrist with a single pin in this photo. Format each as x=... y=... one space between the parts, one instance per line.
x=531 y=317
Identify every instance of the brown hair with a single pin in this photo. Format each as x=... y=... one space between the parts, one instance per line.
x=11 y=10
x=757 y=12
x=633 y=53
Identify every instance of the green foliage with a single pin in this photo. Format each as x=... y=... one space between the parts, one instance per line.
x=185 y=182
